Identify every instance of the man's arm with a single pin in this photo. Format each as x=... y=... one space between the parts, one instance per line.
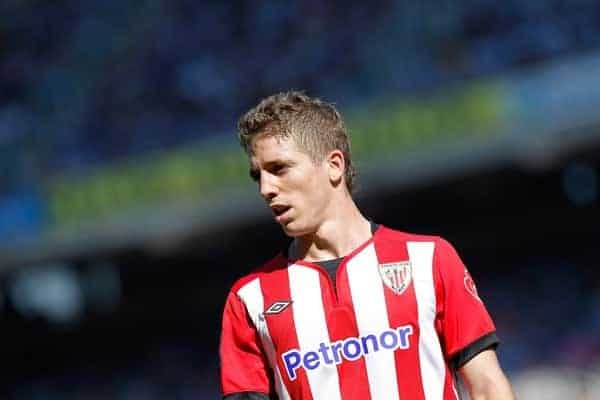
x=484 y=378
x=245 y=374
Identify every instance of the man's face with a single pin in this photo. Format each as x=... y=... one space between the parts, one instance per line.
x=296 y=189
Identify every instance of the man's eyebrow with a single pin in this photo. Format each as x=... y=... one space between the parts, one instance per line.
x=282 y=161
x=255 y=172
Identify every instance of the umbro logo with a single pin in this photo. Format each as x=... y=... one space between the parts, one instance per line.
x=277 y=307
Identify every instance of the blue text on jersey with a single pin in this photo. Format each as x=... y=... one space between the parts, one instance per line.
x=351 y=349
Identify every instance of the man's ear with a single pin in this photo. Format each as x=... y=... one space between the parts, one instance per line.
x=336 y=165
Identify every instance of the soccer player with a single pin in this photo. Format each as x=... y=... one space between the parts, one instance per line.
x=351 y=309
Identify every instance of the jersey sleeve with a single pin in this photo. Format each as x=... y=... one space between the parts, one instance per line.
x=463 y=322
x=243 y=364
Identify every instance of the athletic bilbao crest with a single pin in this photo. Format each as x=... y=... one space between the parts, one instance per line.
x=397 y=275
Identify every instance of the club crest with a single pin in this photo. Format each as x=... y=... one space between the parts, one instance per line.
x=396 y=276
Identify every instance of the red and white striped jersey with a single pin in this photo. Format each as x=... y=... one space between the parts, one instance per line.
x=403 y=308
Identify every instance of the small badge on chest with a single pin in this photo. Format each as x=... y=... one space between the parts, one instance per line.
x=396 y=275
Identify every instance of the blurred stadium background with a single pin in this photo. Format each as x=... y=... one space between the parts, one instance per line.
x=126 y=212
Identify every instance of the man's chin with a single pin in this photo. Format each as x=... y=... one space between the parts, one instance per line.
x=292 y=230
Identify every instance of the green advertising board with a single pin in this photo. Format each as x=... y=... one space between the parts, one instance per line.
x=197 y=172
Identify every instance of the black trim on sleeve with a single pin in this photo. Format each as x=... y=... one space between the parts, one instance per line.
x=249 y=396
x=489 y=341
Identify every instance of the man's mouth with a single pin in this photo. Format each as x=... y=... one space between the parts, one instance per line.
x=279 y=211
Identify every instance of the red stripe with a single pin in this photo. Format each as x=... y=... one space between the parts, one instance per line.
x=402 y=310
x=449 y=392
x=275 y=286
x=342 y=323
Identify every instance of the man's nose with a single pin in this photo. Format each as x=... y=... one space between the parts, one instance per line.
x=268 y=188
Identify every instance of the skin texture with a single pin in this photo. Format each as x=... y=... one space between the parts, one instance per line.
x=484 y=378
x=317 y=203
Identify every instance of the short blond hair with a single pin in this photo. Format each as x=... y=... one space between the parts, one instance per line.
x=316 y=126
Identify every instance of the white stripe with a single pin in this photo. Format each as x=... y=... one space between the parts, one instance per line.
x=368 y=298
x=433 y=370
x=251 y=295
x=311 y=328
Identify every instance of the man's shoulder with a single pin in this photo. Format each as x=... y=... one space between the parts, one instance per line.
x=276 y=263
x=441 y=246
x=387 y=233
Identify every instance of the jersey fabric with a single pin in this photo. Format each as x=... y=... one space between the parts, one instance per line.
x=404 y=312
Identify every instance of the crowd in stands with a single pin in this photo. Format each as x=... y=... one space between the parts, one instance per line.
x=86 y=82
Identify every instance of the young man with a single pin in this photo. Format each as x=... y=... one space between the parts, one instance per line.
x=351 y=310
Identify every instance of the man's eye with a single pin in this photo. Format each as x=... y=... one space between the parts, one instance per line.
x=278 y=169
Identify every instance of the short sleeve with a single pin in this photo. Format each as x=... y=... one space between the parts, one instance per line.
x=243 y=364
x=463 y=322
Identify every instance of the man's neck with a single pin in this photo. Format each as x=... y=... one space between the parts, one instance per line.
x=335 y=237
